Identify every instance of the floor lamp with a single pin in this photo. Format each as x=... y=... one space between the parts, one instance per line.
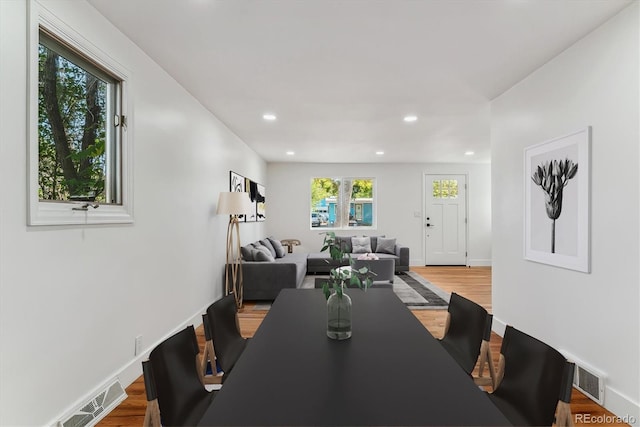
x=233 y=204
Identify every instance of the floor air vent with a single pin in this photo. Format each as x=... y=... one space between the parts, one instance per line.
x=590 y=382
x=587 y=379
x=95 y=409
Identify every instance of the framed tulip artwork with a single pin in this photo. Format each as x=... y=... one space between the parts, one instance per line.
x=557 y=189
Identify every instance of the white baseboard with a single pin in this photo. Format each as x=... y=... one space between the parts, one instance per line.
x=498 y=326
x=132 y=370
x=622 y=406
x=479 y=262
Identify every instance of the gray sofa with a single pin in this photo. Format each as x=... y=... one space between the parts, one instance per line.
x=264 y=280
x=321 y=262
x=263 y=276
x=267 y=268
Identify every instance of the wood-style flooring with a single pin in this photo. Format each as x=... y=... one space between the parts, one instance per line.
x=473 y=283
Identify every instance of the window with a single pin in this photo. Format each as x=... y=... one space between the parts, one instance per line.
x=78 y=153
x=445 y=189
x=342 y=202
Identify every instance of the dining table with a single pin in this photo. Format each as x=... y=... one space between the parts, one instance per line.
x=391 y=371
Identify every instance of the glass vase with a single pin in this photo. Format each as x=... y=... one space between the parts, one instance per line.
x=339 y=316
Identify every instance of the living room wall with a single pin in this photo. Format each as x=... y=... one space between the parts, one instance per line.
x=594 y=317
x=399 y=199
x=73 y=298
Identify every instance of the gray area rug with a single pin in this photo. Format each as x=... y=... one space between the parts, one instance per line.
x=416 y=292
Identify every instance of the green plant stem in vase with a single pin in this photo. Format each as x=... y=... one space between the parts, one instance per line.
x=338 y=302
x=339 y=316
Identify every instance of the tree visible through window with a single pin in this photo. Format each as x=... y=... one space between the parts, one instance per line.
x=342 y=202
x=78 y=132
x=445 y=189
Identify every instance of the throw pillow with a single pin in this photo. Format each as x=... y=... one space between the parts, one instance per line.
x=374 y=242
x=246 y=253
x=262 y=254
x=386 y=246
x=361 y=245
x=258 y=245
x=280 y=250
x=344 y=243
x=267 y=244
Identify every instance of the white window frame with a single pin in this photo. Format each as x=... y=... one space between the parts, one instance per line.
x=65 y=212
x=374 y=202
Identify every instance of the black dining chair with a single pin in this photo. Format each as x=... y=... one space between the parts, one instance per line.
x=152 y=413
x=208 y=359
x=177 y=381
x=225 y=331
x=563 y=412
x=529 y=380
x=485 y=357
x=464 y=331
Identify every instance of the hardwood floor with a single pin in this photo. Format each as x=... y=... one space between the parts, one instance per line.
x=473 y=283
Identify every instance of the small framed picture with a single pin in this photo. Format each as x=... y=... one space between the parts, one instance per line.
x=237 y=184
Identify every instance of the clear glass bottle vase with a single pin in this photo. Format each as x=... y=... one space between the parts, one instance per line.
x=339 y=315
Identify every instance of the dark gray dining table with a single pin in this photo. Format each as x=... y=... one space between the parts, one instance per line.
x=392 y=371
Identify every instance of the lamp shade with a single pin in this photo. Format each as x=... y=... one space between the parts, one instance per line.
x=234 y=203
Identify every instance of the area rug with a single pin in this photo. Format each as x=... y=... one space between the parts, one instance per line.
x=416 y=292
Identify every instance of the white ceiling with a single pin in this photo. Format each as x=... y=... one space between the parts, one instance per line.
x=341 y=74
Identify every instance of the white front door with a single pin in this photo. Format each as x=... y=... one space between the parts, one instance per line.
x=445 y=220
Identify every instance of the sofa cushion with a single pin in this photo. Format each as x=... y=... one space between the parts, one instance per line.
x=246 y=253
x=361 y=245
x=374 y=242
x=321 y=262
x=264 y=280
x=262 y=254
x=277 y=245
x=386 y=246
x=267 y=244
x=344 y=242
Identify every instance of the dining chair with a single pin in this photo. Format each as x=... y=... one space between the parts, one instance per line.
x=152 y=413
x=177 y=380
x=225 y=332
x=486 y=358
x=563 y=412
x=529 y=380
x=208 y=355
x=464 y=331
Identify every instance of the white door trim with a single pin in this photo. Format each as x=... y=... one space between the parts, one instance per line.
x=424 y=213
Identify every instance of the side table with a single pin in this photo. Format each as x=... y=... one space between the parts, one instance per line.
x=290 y=243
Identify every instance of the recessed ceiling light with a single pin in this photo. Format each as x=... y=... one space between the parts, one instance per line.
x=410 y=118
x=270 y=117
x=290 y=153
x=380 y=153
x=469 y=153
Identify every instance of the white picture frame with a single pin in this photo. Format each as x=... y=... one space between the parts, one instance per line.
x=557 y=222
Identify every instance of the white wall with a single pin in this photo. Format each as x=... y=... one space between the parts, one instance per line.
x=73 y=299
x=399 y=195
x=593 y=316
